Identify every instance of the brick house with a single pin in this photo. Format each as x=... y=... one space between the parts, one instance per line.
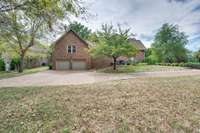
x=140 y=46
x=141 y=51
x=71 y=53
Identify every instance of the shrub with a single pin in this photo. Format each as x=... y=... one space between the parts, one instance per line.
x=166 y=64
x=182 y=64
x=175 y=64
x=50 y=67
x=190 y=64
x=150 y=61
x=2 y=65
x=193 y=65
x=14 y=63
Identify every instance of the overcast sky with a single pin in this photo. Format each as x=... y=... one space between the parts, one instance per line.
x=145 y=17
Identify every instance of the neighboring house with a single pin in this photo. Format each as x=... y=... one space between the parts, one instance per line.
x=71 y=53
x=141 y=48
x=36 y=56
x=140 y=55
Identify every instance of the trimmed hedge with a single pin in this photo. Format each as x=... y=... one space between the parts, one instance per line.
x=189 y=64
x=193 y=65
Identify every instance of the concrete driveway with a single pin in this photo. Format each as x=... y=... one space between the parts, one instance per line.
x=48 y=78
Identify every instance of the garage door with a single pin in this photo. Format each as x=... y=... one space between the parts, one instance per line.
x=62 y=65
x=79 y=65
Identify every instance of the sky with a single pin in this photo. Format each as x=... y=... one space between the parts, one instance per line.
x=145 y=17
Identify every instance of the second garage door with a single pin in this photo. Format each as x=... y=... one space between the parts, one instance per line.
x=79 y=65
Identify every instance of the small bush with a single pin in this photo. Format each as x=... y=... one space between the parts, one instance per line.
x=182 y=64
x=50 y=67
x=175 y=64
x=14 y=63
x=167 y=64
x=150 y=61
x=2 y=65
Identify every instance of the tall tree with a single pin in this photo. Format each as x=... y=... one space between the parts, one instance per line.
x=83 y=31
x=197 y=55
x=2 y=48
x=150 y=56
x=113 y=43
x=21 y=25
x=169 y=44
x=93 y=37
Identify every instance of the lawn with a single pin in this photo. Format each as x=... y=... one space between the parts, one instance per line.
x=139 y=68
x=26 y=71
x=133 y=105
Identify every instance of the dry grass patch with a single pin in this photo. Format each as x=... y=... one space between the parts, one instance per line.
x=11 y=74
x=134 y=105
x=140 y=68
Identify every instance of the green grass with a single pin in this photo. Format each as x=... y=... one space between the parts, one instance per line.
x=11 y=74
x=139 y=68
x=133 y=105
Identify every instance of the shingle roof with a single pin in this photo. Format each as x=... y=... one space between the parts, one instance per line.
x=74 y=34
x=137 y=43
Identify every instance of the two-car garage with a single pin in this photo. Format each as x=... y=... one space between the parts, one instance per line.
x=74 y=65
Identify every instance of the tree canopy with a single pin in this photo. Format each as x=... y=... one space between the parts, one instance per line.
x=83 y=31
x=169 y=44
x=197 y=55
x=113 y=43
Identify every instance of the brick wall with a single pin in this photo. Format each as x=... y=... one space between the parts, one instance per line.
x=101 y=62
x=140 y=56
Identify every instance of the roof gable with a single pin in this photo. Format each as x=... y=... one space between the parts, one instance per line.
x=71 y=31
x=137 y=43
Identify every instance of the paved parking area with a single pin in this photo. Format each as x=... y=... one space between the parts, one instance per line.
x=49 y=78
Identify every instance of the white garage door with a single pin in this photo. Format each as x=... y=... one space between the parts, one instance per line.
x=79 y=65
x=62 y=65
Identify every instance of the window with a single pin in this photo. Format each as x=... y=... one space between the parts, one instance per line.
x=71 y=49
x=74 y=49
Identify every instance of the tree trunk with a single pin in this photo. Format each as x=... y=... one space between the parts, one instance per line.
x=114 y=63
x=21 y=63
x=70 y=63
